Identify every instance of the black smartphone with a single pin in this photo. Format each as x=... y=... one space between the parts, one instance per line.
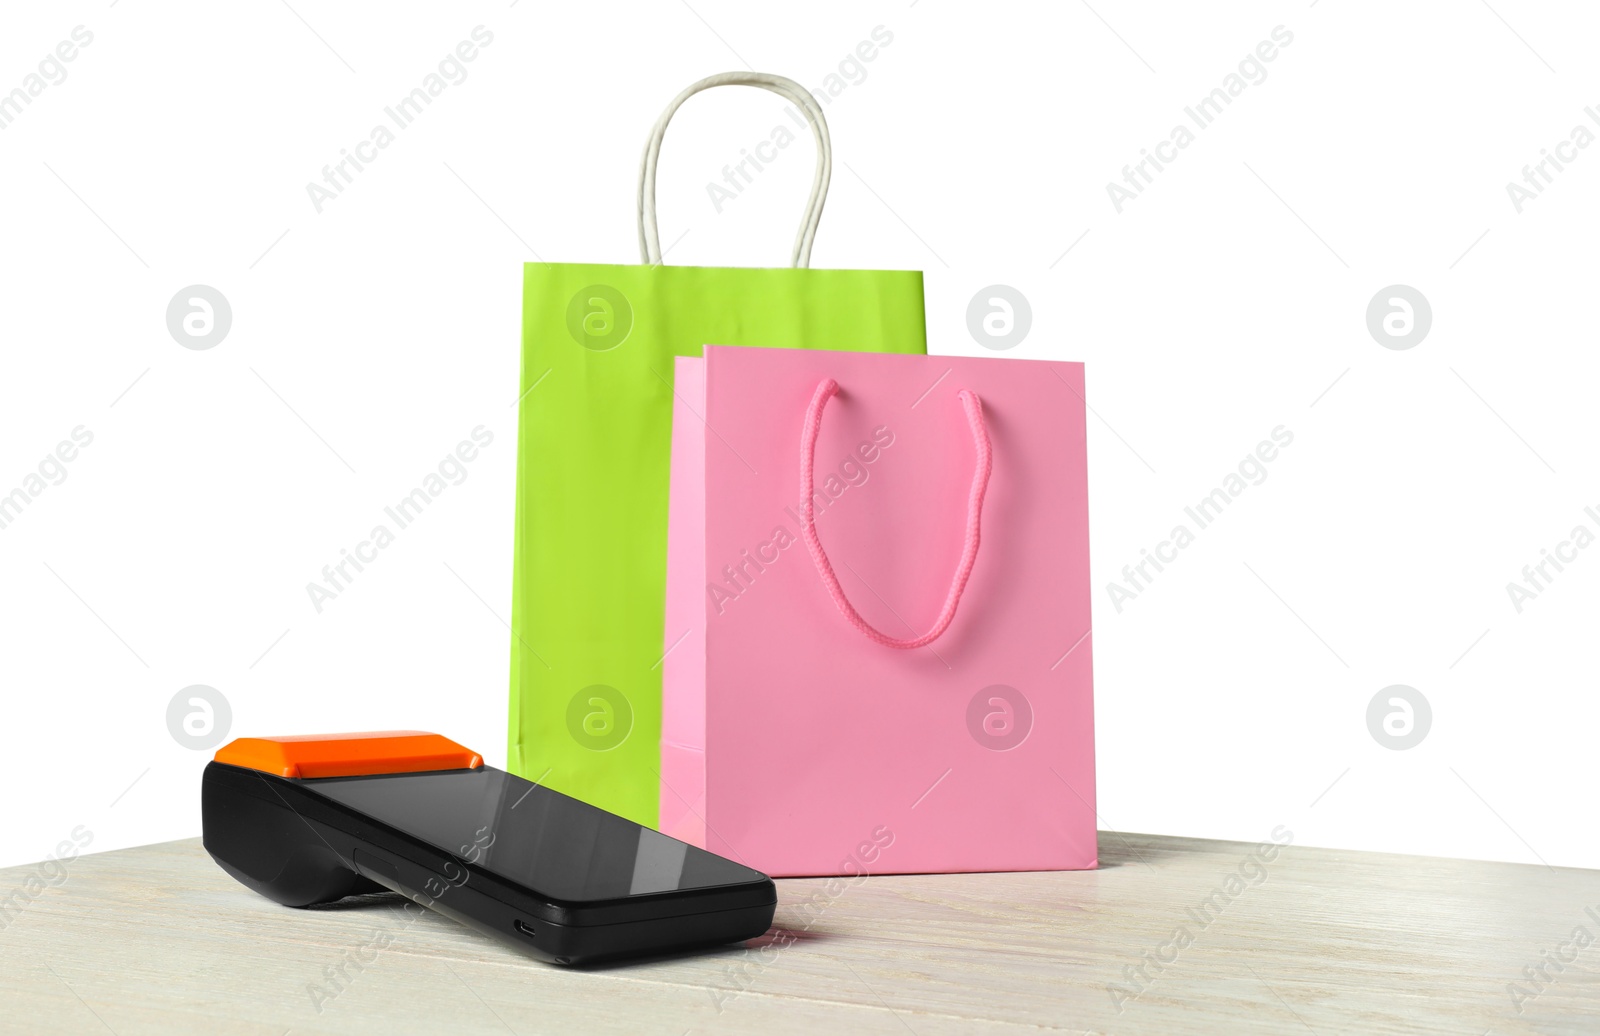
x=305 y=821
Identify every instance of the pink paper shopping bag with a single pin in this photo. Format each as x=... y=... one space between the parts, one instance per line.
x=895 y=678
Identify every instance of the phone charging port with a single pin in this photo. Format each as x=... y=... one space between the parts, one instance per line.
x=524 y=927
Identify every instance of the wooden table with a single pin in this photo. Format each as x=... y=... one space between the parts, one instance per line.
x=159 y=940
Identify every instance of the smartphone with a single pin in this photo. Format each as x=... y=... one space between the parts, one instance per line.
x=310 y=820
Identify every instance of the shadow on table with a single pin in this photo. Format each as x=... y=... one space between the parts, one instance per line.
x=777 y=937
x=1123 y=849
x=364 y=901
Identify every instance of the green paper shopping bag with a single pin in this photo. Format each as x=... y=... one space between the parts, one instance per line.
x=594 y=450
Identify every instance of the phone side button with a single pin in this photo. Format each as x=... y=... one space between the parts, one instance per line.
x=381 y=871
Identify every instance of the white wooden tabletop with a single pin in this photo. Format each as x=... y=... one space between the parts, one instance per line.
x=159 y=940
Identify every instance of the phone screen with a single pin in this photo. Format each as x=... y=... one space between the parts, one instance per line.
x=526 y=833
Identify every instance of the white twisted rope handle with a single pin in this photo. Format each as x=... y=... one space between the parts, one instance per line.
x=650 y=237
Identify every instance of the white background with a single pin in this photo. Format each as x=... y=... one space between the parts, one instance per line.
x=1228 y=299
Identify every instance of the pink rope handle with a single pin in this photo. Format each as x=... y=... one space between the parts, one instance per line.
x=969 y=550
